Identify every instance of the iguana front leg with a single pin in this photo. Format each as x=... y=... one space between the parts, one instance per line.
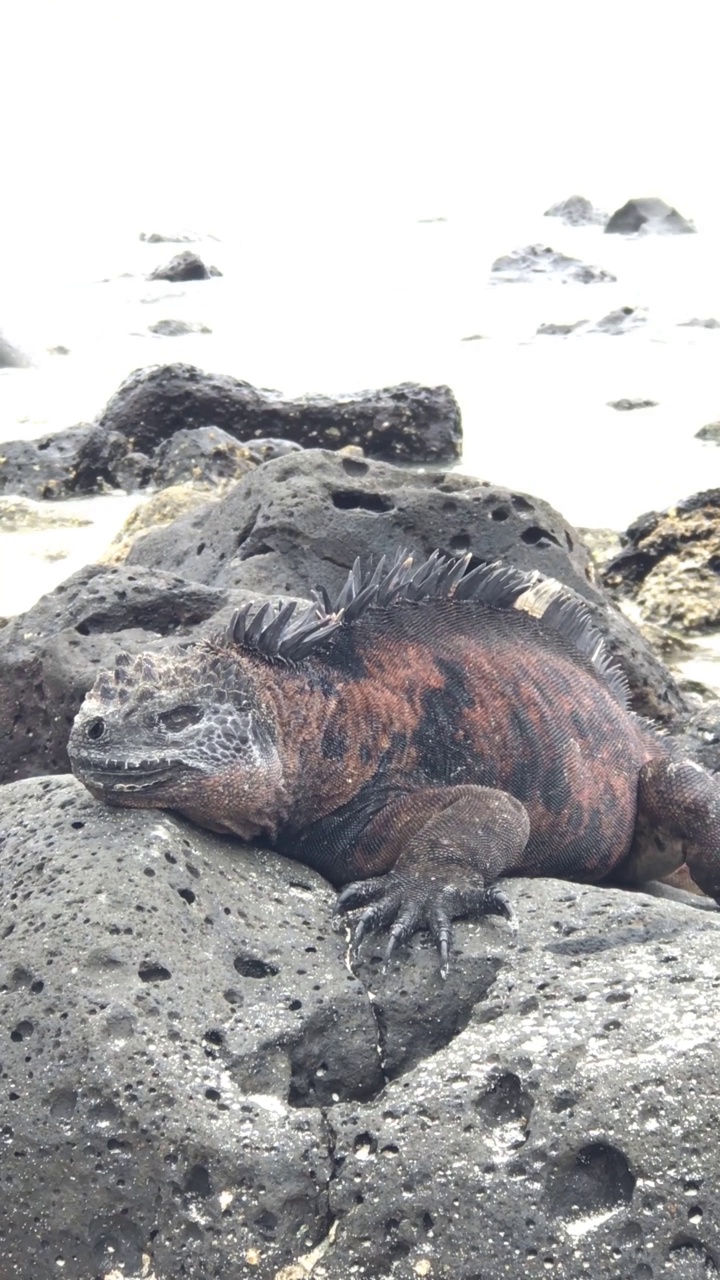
x=446 y=847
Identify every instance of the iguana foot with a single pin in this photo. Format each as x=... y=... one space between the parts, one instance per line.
x=405 y=904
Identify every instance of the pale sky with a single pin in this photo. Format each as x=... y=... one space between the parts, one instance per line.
x=324 y=103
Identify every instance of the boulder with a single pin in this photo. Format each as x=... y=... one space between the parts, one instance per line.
x=623 y=320
x=540 y=261
x=711 y=432
x=670 y=564
x=196 y=1085
x=648 y=214
x=130 y=444
x=184 y=266
x=50 y=656
x=403 y=423
x=176 y=328
x=576 y=211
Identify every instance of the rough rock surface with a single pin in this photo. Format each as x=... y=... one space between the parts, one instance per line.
x=196 y=1086
x=539 y=260
x=50 y=655
x=407 y=422
x=576 y=211
x=623 y=320
x=184 y=266
x=670 y=564
x=648 y=214
x=127 y=447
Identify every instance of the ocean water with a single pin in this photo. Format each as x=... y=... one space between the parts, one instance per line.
x=354 y=177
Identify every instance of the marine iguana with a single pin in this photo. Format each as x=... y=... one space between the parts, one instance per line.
x=425 y=734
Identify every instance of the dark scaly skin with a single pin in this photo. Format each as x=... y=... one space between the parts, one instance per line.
x=425 y=751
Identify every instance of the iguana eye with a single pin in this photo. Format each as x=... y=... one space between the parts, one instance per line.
x=180 y=717
x=95 y=729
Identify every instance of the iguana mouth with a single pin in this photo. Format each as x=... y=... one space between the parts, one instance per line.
x=124 y=775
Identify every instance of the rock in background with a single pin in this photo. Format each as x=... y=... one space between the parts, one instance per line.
x=670 y=565
x=194 y=1084
x=127 y=447
x=648 y=214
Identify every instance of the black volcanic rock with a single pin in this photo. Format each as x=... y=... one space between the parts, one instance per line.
x=576 y=211
x=648 y=214
x=539 y=261
x=184 y=266
x=195 y=1085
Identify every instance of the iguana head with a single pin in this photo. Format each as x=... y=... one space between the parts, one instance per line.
x=181 y=731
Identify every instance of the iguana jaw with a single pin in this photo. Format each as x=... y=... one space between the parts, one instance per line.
x=115 y=778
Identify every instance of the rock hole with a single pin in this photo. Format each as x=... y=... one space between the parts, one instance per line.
x=197 y=1181
x=295 y=1005
x=505 y=1100
x=354 y=500
x=82 y=629
x=500 y=513
x=534 y=536
x=520 y=503
x=22 y=1030
x=354 y=466
x=77 y=826
x=459 y=543
x=153 y=973
x=214 y=1036
x=199 y=548
x=213 y=1095
x=597 y=1178
x=254 y=967
x=187 y=895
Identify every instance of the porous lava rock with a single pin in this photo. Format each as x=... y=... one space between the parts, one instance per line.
x=648 y=214
x=195 y=1085
x=403 y=423
x=670 y=564
x=576 y=211
x=540 y=261
x=184 y=266
x=50 y=656
x=128 y=447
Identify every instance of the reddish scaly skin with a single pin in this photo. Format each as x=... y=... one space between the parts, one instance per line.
x=424 y=751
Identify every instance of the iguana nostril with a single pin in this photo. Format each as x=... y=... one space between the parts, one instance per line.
x=96 y=729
